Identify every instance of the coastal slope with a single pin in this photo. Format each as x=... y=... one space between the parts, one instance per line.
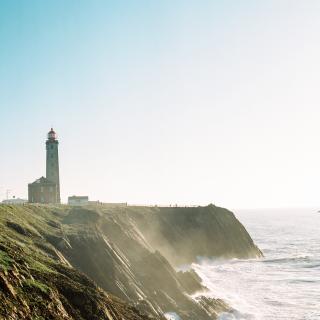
x=129 y=252
x=36 y=282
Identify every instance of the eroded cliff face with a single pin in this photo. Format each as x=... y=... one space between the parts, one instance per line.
x=183 y=234
x=129 y=252
x=36 y=282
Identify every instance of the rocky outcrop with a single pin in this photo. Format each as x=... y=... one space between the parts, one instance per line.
x=35 y=287
x=128 y=252
x=183 y=234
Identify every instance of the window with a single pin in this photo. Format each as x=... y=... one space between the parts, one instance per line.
x=41 y=189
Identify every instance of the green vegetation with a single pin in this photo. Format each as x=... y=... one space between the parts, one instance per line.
x=31 y=283
x=38 y=266
x=5 y=261
x=36 y=281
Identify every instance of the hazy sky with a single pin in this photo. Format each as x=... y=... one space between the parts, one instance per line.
x=170 y=101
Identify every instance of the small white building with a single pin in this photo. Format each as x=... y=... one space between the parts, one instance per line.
x=78 y=200
x=14 y=201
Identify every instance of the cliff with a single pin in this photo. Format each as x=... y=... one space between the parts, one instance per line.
x=49 y=254
x=183 y=234
x=36 y=282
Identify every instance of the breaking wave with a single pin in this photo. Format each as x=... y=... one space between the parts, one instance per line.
x=283 y=285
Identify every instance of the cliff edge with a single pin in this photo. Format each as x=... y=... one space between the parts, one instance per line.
x=105 y=262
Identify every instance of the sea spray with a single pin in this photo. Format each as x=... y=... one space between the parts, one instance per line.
x=283 y=285
x=172 y=316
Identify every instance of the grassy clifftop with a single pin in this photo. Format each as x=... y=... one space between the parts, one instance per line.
x=37 y=282
x=49 y=254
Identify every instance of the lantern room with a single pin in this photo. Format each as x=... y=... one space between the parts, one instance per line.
x=52 y=135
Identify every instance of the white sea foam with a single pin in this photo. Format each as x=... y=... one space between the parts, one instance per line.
x=235 y=315
x=172 y=316
x=285 y=284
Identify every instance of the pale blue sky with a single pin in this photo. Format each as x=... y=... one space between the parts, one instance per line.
x=167 y=101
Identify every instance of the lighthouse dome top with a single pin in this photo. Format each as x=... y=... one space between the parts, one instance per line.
x=52 y=135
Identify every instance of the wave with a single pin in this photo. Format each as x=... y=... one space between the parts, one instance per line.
x=289 y=259
x=277 y=283
x=171 y=316
x=235 y=315
x=303 y=281
x=205 y=261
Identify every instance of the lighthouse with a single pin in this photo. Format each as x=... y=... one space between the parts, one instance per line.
x=47 y=189
x=52 y=163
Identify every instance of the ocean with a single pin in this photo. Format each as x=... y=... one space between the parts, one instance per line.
x=285 y=284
